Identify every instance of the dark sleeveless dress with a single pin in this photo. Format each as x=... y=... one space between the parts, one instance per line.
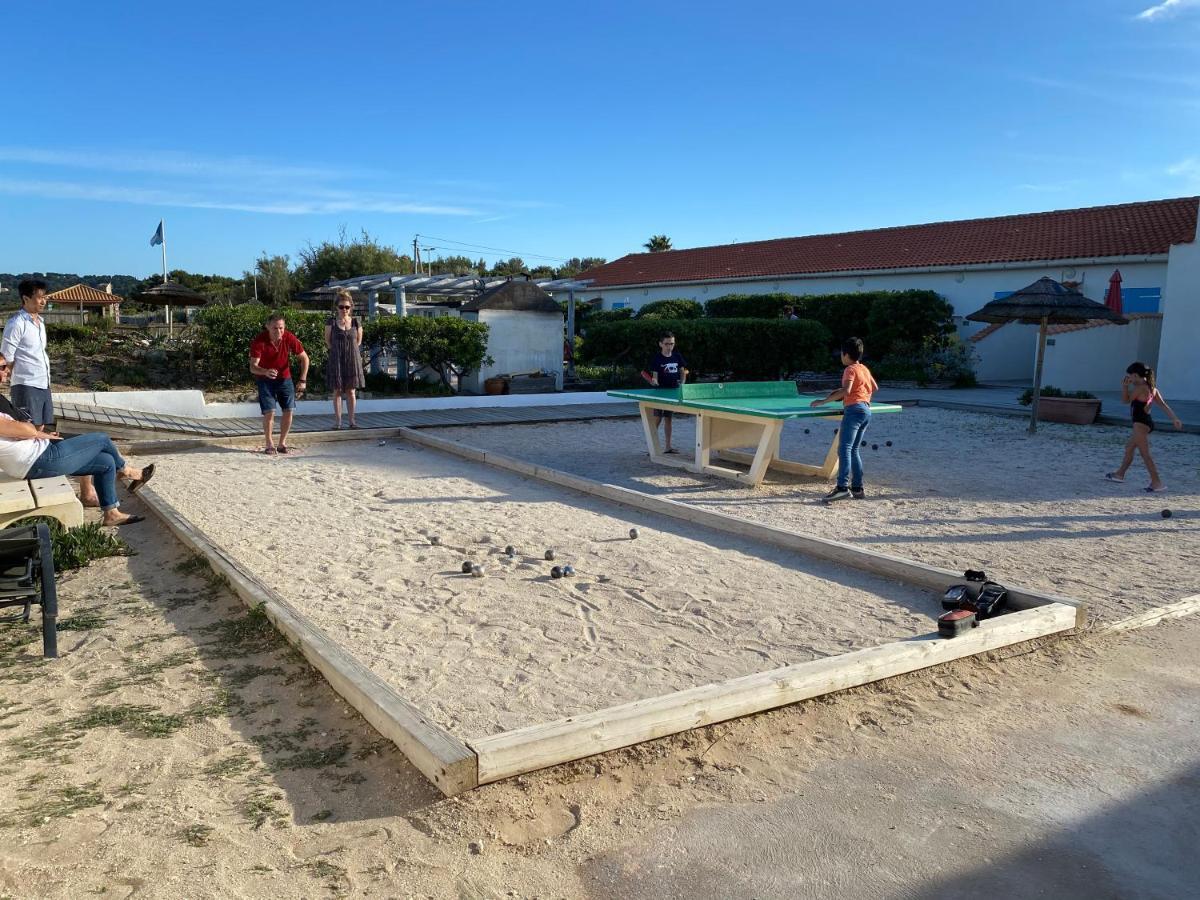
x=344 y=368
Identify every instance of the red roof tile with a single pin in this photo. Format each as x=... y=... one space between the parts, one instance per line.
x=81 y=293
x=1129 y=229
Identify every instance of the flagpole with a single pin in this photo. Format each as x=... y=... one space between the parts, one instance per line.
x=166 y=307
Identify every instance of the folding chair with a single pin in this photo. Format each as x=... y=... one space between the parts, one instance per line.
x=27 y=577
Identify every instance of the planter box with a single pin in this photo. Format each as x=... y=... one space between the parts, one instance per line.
x=1068 y=411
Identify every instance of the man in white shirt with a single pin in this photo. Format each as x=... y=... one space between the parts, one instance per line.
x=24 y=346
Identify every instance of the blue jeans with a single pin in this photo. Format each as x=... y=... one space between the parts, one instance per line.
x=86 y=454
x=855 y=420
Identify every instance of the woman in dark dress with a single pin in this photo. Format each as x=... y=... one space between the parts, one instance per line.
x=344 y=369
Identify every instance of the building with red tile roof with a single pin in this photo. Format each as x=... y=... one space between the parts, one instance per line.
x=83 y=296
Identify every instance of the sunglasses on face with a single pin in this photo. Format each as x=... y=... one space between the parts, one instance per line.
x=345 y=307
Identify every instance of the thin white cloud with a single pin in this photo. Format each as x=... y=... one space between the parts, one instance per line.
x=1052 y=187
x=1187 y=169
x=170 y=163
x=321 y=203
x=1165 y=10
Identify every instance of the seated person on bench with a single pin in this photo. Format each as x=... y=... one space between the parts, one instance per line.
x=26 y=452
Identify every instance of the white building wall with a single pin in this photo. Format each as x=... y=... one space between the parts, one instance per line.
x=1178 y=370
x=1094 y=359
x=1008 y=354
x=519 y=342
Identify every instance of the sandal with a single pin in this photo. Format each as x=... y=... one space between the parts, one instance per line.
x=1151 y=489
x=147 y=474
x=270 y=451
x=1113 y=476
x=132 y=520
x=282 y=448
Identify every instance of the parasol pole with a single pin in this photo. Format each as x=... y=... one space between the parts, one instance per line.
x=166 y=306
x=1037 y=375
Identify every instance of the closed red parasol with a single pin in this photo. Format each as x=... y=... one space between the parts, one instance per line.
x=1112 y=299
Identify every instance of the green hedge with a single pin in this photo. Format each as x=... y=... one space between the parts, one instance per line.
x=749 y=306
x=747 y=348
x=226 y=332
x=447 y=344
x=672 y=309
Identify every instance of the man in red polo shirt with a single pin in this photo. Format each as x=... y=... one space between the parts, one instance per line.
x=270 y=364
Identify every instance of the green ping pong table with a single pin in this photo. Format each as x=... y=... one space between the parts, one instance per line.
x=734 y=415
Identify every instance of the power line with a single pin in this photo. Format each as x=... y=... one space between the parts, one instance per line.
x=494 y=249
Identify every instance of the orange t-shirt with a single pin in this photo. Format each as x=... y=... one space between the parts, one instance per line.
x=858 y=384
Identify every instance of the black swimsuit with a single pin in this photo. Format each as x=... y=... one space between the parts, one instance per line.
x=1139 y=411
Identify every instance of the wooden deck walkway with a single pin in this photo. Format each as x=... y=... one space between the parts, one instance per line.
x=131 y=424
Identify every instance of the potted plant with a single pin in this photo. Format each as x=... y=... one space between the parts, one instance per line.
x=1069 y=407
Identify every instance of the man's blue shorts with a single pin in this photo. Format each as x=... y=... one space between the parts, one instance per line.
x=35 y=401
x=271 y=390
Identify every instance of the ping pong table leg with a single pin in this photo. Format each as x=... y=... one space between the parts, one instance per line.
x=703 y=441
x=648 y=426
x=830 y=466
x=768 y=450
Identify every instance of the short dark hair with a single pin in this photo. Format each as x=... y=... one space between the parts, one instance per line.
x=277 y=317
x=31 y=286
x=853 y=348
x=666 y=334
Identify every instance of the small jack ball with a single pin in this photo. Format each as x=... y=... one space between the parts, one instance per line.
x=549 y=554
x=466 y=567
x=568 y=570
x=477 y=571
x=510 y=550
x=435 y=540
x=556 y=572
x=1166 y=514
x=887 y=443
x=633 y=533
x=806 y=431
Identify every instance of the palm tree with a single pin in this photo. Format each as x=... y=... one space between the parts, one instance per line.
x=658 y=243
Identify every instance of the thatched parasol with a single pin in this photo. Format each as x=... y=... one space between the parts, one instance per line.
x=1043 y=303
x=169 y=294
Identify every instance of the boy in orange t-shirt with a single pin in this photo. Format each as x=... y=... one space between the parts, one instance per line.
x=855 y=393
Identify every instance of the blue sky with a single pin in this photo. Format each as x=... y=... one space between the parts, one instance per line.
x=555 y=130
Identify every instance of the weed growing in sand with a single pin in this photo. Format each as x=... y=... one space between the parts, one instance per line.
x=313 y=758
x=238 y=764
x=196 y=835
x=243 y=675
x=87 y=619
x=241 y=637
x=55 y=805
x=323 y=815
x=143 y=672
x=76 y=547
x=334 y=876
x=193 y=565
x=15 y=635
x=260 y=808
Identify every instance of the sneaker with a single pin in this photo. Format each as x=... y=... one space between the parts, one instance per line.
x=858 y=493
x=1151 y=489
x=1113 y=476
x=838 y=493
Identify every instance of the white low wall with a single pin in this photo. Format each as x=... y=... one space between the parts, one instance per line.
x=191 y=403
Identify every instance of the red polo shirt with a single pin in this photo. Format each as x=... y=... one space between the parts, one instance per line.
x=271 y=357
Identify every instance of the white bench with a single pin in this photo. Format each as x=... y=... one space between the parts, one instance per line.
x=52 y=497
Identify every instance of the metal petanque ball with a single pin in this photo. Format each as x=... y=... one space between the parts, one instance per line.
x=477 y=571
x=887 y=443
x=383 y=443
x=549 y=554
x=466 y=567
x=556 y=572
x=633 y=533
x=806 y=431
x=1166 y=514
x=435 y=540
x=568 y=571
x=510 y=550
x=874 y=446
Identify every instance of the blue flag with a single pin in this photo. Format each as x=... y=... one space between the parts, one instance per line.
x=158 y=235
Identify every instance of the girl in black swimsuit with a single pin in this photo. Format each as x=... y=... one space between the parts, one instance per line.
x=1139 y=391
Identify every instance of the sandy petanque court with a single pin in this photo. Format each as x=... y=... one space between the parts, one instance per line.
x=954 y=489
x=343 y=532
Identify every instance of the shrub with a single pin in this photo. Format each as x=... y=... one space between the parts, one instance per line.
x=226 y=331
x=934 y=360
x=1051 y=391
x=74 y=548
x=747 y=348
x=672 y=309
x=449 y=345
x=600 y=316
x=749 y=306
x=907 y=317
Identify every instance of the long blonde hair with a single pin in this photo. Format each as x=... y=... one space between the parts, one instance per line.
x=342 y=294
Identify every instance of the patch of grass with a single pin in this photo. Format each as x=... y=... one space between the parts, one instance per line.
x=323 y=815
x=15 y=636
x=238 y=764
x=286 y=741
x=243 y=675
x=313 y=758
x=55 y=805
x=74 y=548
x=155 y=666
x=193 y=565
x=334 y=876
x=87 y=619
x=243 y=636
x=260 y=808
x=196 y=835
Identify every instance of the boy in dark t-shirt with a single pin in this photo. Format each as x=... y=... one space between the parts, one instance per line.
x=666 y=369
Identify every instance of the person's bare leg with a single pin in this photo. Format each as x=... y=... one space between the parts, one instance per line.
x=87 y=492
x=285 y=425
x=667 y=432
x=337 y=408
x=1127 y=460
x=351 y=401
x=1144 y=449
x=268 y=420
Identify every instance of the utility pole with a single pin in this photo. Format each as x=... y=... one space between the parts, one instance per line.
x=416 y=255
